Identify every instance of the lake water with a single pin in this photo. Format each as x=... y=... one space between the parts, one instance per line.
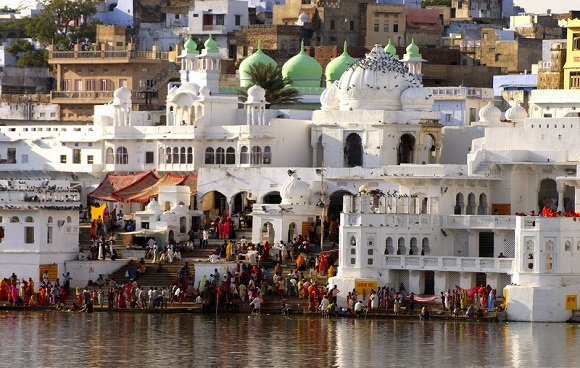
x=65 y=339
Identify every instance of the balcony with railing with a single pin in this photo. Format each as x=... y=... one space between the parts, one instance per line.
x=468 y=222
x=81 y=96
x=452 y=264
x=218 y=29
x=111 y=57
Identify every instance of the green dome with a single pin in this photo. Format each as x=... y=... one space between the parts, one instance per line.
x=303 y=70
x=338 y=65
x=412 y=50
x=190 y=46
x=256 y=58
x=210 y=46
x=391 y=50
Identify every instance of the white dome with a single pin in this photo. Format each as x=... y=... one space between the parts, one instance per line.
x=153 y=206
x=295 y=191
x=303 y=18
x=516 y=114
x=417 y=99
x=189 y=87
x=329 y=97
x=204 y=91
x=256 y=94
x=489 y=114
x=172 y=91
x=167 y=216
x=122 y=96
x=375 y=82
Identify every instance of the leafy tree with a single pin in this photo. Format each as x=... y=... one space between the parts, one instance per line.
x=27 y=55
x=56 y=23
x=270 y=78
x=33 y=58
x=426 y=3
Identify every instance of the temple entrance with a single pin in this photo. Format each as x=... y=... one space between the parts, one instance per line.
x=353 y=151
x=334 y=208
x=243 y=202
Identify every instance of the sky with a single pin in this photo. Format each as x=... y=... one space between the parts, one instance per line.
x=540 y=6
x=531 y=6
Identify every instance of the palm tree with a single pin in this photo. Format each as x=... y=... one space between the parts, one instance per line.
x=270 y=78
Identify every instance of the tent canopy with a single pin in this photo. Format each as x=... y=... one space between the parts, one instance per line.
x=139 y=188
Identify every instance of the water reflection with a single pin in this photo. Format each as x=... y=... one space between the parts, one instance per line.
x=48 y=339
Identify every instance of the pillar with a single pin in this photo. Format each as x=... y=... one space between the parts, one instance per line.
x=467 y=280
x=416 y=281
x=561 y=190
x=440 y=281
x=493 y=280
x=472 y=250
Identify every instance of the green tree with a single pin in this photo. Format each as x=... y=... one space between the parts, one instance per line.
x=270 y=78
x=426 y=3
x=56 y=23
x=27 y=55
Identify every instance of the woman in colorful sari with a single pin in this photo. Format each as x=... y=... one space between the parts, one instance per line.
x=13 y=293
x=4 y=289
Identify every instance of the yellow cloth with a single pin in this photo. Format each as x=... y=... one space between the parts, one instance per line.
x=300 y=261
x=229 y=251
x=331 y=271
x=98 y=211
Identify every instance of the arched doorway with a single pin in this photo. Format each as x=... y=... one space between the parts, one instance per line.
x=548 y=195
x=272 y=198
x=353 y=151
x=319 y=152
x=428 y=155
x=401 y=250
x=425 y=250
x=470 y=209
x=389 y=246
x=413 y=249
x=482 y=207
x=268 y=233
x=213 y=204
x=291 y=231
x=405 y=150
x=459 y=203
x=242 y=202
x=334 y=207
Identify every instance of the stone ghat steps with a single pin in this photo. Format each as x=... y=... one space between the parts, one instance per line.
x=152 y=278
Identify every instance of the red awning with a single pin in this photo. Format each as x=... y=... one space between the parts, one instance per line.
x=139 y=188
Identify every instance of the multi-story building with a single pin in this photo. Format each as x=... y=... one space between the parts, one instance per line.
x=217 y=18
x=386 y=22
x=86 y=78
x=333 y=22
x=572 y=66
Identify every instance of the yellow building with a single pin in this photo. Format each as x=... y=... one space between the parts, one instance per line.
x=384 y=22
x=87 y=78
x=572 y=66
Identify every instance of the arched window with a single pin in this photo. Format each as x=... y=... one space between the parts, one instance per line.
x=230 y=156
x=353 y=151
x=14 y=219
x=189 y=155
x=405 y=149
x=458 y=209
x=175 y=155
x=209 y=156
x=28 y=219
x=389 y=246
x=168 y=155
x=220 y=156
x=267 y=158
x=68 y=219
x=244 y=155
x=109 y=156
x=182 y=158
x=256 y=157
x=122 y=156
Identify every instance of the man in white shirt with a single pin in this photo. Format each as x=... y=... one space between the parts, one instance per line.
x=256 y=304
x=358 y=307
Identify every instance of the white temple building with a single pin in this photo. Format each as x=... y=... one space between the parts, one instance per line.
x=428 y=205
